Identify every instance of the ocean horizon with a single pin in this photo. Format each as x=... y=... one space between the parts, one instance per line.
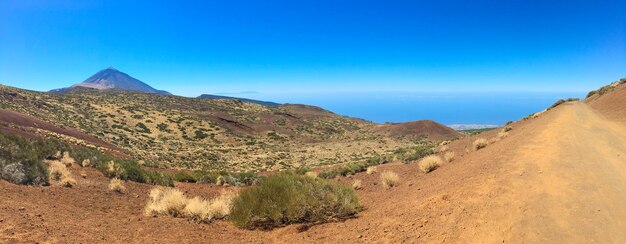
x=449 y=108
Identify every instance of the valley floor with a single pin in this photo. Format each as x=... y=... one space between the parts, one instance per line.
x=558 y=178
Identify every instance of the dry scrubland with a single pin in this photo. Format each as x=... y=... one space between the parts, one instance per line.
x=202 y=134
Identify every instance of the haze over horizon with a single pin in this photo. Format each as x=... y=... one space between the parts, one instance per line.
x=375 y=60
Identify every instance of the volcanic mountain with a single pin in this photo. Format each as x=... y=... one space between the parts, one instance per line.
x=111 y=78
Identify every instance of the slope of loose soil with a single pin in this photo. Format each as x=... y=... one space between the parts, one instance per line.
x=612 y=104
x=558 y=178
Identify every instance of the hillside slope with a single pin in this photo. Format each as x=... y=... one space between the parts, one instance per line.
x=611 y=103
x=179 y=132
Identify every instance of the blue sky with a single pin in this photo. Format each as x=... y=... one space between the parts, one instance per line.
x=280 y=48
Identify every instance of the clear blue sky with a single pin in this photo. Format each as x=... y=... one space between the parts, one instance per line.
x=191 y=47
x=289 y=47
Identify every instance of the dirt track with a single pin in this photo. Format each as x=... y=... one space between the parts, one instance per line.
x=559 y=178
x=567 y=184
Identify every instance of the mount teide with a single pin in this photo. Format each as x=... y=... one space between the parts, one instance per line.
x=111 y=78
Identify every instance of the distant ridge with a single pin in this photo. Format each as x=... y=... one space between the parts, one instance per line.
x=111 y=78
x=264 y=103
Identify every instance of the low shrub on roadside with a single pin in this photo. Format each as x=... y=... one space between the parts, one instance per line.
x=287 y=198
x=117 y=185
x=430 y=163
x=480 y=143
x=449 y=156
x=389 y=179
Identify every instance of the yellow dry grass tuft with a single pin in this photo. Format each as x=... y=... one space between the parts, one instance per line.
x=430 y=163
x=449 y=156
x=60 y=173
x=172 y=202
x=389 y=179
x=371 y=170
x=480 y=143
x=357 y=184
x=67 y=159
x=311 y=174
x=117 y=185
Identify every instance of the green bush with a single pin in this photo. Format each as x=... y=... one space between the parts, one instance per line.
x=21 y=160
x=132 y=171
x=233 y=179
x=288 y=198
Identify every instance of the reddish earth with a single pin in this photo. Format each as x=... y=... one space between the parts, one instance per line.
x=15 y=123
x=426 y=128
x=558 y=178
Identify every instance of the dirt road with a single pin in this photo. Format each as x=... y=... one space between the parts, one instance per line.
x=566 y=184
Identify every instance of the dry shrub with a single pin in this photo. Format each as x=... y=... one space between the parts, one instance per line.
x=220 y=180
x=113 y=170
x=67 y=160
x=86 y=163
x=172 y=202
x=311 y=174
x=389 y=179
x=202 y=210
x=371 y=170
x=68 y=181
x=166 y=201
x=444 y=148
x=117 y=185
x=480 y=143
x=430 y=163
x=60 y=173
x=449 y=156
x=357 y=184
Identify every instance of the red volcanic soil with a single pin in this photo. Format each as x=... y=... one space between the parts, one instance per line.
x=427 y=128
x=11 y=121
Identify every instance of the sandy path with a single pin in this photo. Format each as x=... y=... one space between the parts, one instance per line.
x=567 y=184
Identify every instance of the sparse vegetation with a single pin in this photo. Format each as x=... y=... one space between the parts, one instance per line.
x=449 y=156
x=357 y=184
x=561 y=101
x=389 y=179
x=171 y=202
x=430 y=163
x=117 y=185
x=311 y=174
x=60 y=173
x=288 y=198
x=480 y=143
x=371 y=170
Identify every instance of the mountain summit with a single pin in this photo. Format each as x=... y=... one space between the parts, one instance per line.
x=112 y=78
